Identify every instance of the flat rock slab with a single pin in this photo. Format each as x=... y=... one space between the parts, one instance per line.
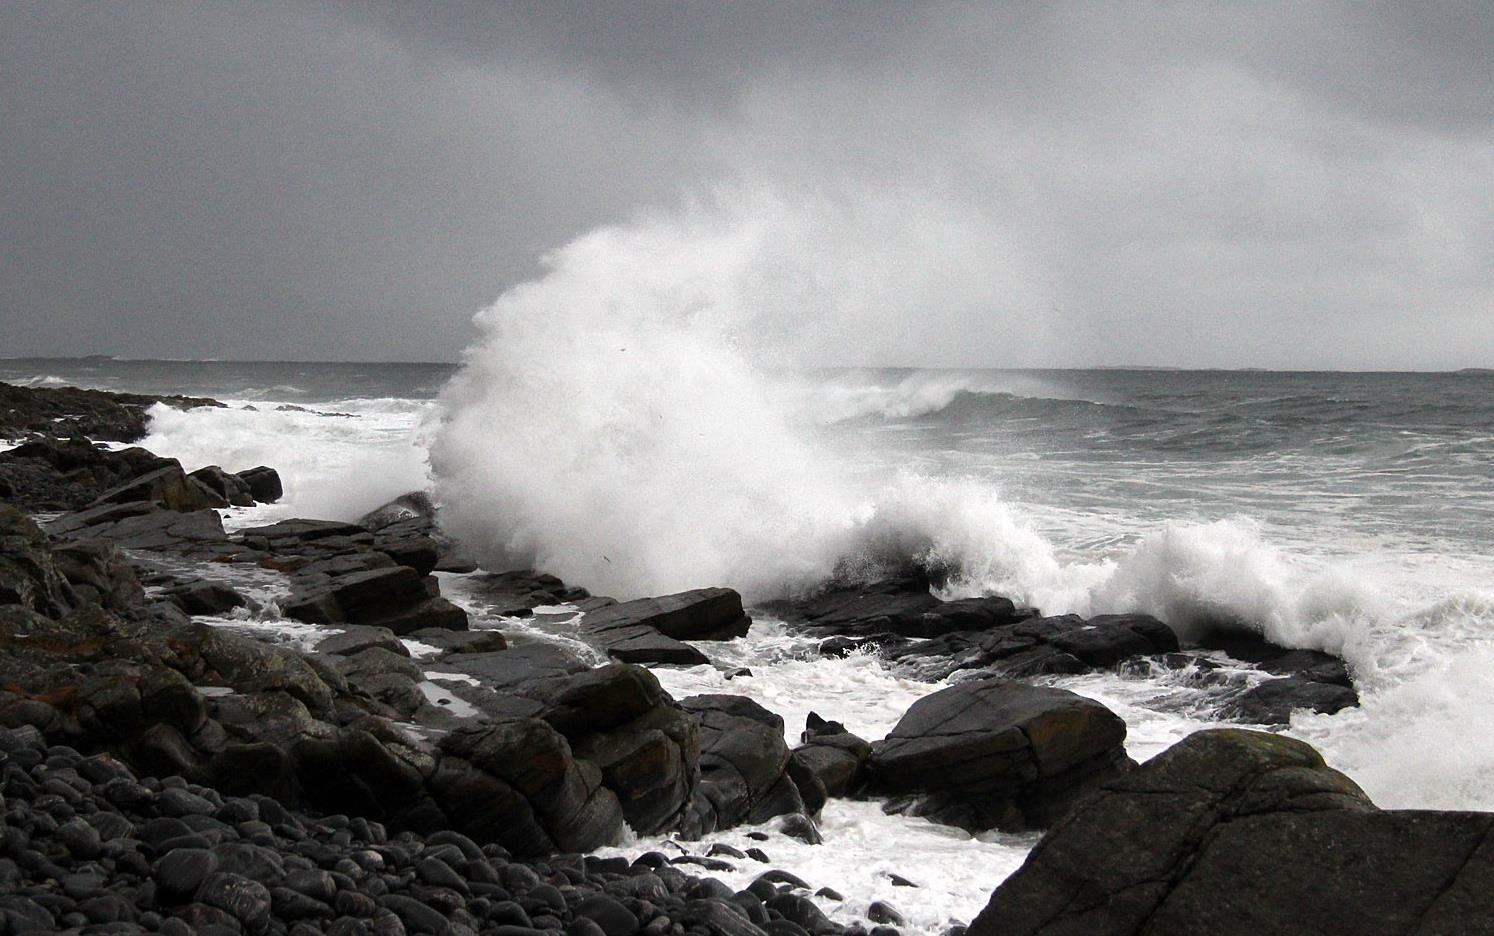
x=701 y=614
x=146 y=526
x=519 y=664
x=651 y=630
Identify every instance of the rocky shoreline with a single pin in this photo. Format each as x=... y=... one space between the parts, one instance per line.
x=404 y=772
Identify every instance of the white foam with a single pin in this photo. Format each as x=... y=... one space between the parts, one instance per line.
x=437 y=695
x=332 y=468
x=955 y=872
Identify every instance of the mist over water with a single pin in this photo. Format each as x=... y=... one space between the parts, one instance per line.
x=627 y=422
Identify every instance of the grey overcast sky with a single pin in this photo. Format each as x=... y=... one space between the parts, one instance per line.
x=1215 y=184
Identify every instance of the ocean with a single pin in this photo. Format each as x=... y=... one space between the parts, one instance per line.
x=1348 y=512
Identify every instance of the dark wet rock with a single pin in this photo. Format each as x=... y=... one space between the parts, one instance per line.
x=517 y=593
x=1241 y=832
x=167 y=487
x=299 y=536
x=1252 y=648
x=1107 y=639
x=407 y=527
x=1273 y=701
x=881 y=912
x=416 y=505
x=451 y=643
x=181 y=871
x=702 y=614
x=147 y=526
x=743 y=765
x=69 y=474
x=97 y=414
x=520 y=664
x=640 y=644
x=997 y=753
x=802 y=912
x=355 y=638
x=100 y=574
x=612 y=917
x=647 y=747
x=651 y=630
x=860 y=609
x=264 y=484
x=230 y=487
x=832 y=755
x=517 y=784
x=629 y=641
x=719 y=918
x=1040 y=645
x=801 y=827
x=844 y=646
x=29 y=576
x=205 y=598
x=396 y=597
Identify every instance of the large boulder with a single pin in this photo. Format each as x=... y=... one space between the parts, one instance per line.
x=1238 y=833
x=370 y=589
x=647 y=747
x=835 y=757
x=229 y=486
x=264 y=484
x=997 y=753
x=744 y=765
x=515 y=781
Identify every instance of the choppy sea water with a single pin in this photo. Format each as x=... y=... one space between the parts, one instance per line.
x=1346 y=512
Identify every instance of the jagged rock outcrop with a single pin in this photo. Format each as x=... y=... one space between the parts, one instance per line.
x=997 y=754
x=1238 y=833
x=98 y=414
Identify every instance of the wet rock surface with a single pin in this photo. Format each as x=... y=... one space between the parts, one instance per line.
x=364 y=788
x=997 y=753
x=554 y=754
x=91 y=846
x=653 y=630
x=98 y=414
x=1242 y=832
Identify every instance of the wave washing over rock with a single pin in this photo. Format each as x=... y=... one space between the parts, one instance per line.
x=835 y=738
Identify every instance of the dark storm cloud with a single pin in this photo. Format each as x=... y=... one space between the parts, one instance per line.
x=1247 y=184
